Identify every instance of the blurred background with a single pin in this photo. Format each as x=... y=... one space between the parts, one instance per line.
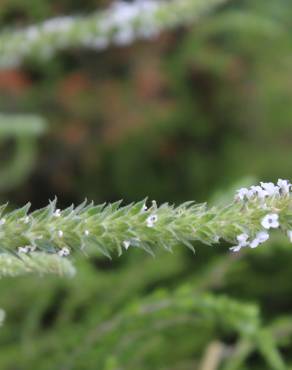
x=190 y=115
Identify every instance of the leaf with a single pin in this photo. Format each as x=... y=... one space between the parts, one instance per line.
x=18 y=213
x=93 y=243
x=44 y=213
x=146 y=247
x=2 y=208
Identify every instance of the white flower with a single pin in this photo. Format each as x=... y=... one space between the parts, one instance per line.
x=284 y=186
x=242 y=239
x=126 y=244
x=271 y=220
x=26 y=249
x=260 y=238
x=254 y=243
x=60 y=233
x=124 y=36
x=86 y=232
x=58 y=24
x=242 y=242
x=151 y=220
x=57 y=213
x=236 y=248
x=258 y=191
x=270 y=188
x=64 y=252
x=2 y=221
x=289 y=233
x=26 y=220
x=23 y=249
x=242 y=193
x=32 y=33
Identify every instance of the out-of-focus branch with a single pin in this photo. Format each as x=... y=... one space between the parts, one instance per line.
x=120 y=24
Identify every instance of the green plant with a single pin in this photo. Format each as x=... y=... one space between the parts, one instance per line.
x=24 y=131
x=106 y=228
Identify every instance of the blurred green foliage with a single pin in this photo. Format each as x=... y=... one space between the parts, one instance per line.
x=184 y=117
x=24 y=131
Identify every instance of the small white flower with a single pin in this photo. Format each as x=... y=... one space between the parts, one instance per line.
x=254 y=243
x=24 y=249
x=270 y=188
x=289 y=234
x=86 y=232
x=260 y=238
x=2 y=221
x=236 y=248
x=126 y=244
x=258 y=192
x=151 y=220
x=144 y=208
x=26 y=220
x=242 y=242
x=60 y=233
x=32 y=33
x=270 y=221
x=284 y=186
x=242 y=193
x=64 y=252
x=242 y=239
x=57 y=213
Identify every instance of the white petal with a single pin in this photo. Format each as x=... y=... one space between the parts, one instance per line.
x=126 y=244
x=236 y=248
x=242 y=239
x=255 y=243
x=151 y=220
x=275 y=224
x=259 y=192
x=64 y=252
x=262 y=236
x=284 y=186
x=242 y=193
x=270 y=188
x=57 y=213
x=23 y=249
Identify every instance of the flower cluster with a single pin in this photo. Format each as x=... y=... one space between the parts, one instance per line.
x=266 y=189
x=120 y=24
x=264 y=195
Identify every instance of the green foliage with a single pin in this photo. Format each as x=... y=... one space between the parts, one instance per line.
x=184 y=117
x=24 y=131
x=36 y=263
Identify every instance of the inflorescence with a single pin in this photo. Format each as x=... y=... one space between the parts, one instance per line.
x=266 y=196
x=120 y=24
x=106 y=228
